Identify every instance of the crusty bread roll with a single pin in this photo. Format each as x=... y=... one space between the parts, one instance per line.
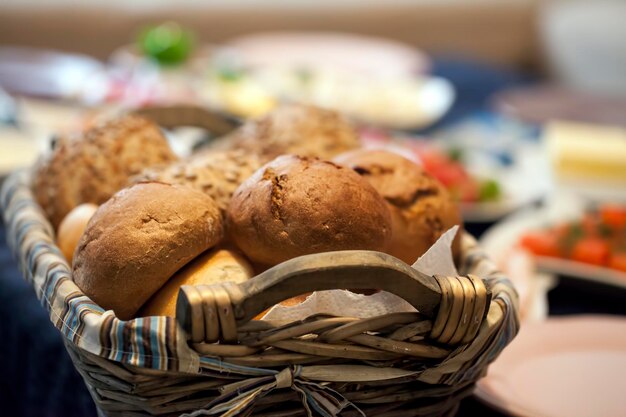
x=72 y=228
x=138 y=239
x=295 y=206
x=421 y=208
x=91 y=168
x=215 y=173
x=213 y=266
x=294 y=129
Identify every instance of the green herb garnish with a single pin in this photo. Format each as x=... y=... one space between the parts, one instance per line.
x=489 y=190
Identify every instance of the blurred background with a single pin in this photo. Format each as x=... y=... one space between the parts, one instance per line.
x=518 y=107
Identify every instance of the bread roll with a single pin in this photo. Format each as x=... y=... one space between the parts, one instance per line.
x=72 y=228
x=294 y=129
x=91 y=168
x=138 y=239
x=421 y=208
x=295 y=206
x=215 y=173
x=217 y=265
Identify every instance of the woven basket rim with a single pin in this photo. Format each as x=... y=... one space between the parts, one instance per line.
x=32 y=241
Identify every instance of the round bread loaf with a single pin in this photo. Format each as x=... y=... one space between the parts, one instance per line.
x=72 y=228
x=92 y=167
x=138 y=239
x=215 y=173
x=295 y=206
x=421 y=208
x=294 y=129
x=217 y=265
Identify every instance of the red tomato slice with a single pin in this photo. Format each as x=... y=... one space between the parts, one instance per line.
x=469 y=191
x=618 y=261
x=541 y=243
x=450 y=175
x=613 y=215
x=591 y=250
x=590 y=224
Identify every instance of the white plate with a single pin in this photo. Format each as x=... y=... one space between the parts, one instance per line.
x=367 y=54
x=562 y=367
x=45 y=73
x=581 y=270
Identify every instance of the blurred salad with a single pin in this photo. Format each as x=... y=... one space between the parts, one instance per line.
x=449 y=168
x=598 y=238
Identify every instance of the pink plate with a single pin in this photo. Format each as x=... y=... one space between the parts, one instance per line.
x=357 y=53
x=562 y=367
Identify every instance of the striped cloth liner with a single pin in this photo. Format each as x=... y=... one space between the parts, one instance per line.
x=159 y=343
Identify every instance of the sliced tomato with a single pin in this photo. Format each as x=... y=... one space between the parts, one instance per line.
x=618 y=261
x=431 y=158
x=591 y=250
x=450 y=175
x=541 y=243
x=613 y=215
x=470 y=191
x=589 y=224
x=562 y=230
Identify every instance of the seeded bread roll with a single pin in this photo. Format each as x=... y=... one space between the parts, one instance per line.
x=91 y=168
x=294 y=129
x=421 y=208
x=214 y=266
x=215 y=173
x=295 y=206
x=138 y=239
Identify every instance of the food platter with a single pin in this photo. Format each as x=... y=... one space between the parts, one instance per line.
x=503 y=238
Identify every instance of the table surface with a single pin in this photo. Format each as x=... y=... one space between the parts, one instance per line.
x=37 y=377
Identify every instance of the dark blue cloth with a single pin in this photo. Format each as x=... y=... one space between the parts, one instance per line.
x=37 y=377
x=474 y=83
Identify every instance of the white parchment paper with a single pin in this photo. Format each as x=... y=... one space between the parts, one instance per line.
x=437 y=260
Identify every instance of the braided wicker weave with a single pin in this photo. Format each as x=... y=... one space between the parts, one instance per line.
x=215 y=360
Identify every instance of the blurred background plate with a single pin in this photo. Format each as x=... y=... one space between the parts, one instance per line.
x=352 y=53
x=45 y=73
x=376 y=81
x=562 y=367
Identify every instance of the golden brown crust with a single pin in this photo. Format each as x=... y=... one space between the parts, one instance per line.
x=91 y=168
x=295 y=206
x=215 y=173
x=138 y=239
x=214 y=266
x=421 y=208
x=294 y=129
x=72 y=228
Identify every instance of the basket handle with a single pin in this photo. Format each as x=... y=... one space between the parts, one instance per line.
x=189 y=115
x=212 y=312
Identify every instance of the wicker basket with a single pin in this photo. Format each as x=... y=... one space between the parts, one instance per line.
x=214 y=360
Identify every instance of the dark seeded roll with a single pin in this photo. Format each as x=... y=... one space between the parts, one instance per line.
x=215 y=173
x=295 y=206
x=138 y=239
x=294 y=129
x=93 y=167
x=421 y=208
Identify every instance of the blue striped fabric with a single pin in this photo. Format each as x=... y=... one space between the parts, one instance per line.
x=153 y=342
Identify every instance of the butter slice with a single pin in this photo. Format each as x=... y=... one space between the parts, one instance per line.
x=586 y=151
